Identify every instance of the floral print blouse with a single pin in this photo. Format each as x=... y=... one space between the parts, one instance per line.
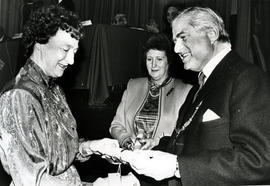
x=38 y=137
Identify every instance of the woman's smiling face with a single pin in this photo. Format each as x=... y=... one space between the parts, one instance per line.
x=57 y=54
x=157 y=65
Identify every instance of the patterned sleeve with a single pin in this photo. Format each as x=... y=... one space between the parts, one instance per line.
x=23 y=139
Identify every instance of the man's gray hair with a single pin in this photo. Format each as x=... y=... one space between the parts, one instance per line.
x=204 y=19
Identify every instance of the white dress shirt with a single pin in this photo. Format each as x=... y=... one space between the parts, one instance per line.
x=211 y=65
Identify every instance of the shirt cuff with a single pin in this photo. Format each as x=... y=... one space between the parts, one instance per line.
x=177 y=170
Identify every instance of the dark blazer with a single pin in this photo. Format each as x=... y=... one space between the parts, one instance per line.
x=235 y=148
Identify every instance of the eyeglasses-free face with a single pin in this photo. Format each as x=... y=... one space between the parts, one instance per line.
x=157 y=65
x=193 y=46
x=57 y=54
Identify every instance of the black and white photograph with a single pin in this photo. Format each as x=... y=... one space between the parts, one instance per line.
x=134 y=93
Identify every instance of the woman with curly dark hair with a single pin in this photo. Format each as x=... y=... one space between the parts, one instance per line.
x=38 y=137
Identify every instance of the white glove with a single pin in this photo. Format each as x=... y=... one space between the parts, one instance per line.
x=156 y=164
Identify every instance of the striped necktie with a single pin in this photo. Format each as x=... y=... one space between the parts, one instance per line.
x=201 y=79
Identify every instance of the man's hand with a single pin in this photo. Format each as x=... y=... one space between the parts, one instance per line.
x=156 y=164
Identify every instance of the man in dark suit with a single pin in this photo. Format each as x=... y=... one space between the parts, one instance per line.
x=222 y=135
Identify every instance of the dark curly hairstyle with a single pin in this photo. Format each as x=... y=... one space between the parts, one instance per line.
x=160 y=42
x=45 y=22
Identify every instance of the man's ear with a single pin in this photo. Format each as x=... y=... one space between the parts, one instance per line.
x=213 y=35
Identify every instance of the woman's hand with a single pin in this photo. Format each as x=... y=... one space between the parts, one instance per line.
x=84 y=149
x=104 y=146
x=147 y=144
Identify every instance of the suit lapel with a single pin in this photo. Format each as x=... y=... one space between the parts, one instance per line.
x=215 y=76
x=181 y=119
x=186 y=106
